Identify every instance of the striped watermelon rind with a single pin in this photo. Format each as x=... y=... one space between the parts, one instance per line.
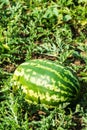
x=46 y=82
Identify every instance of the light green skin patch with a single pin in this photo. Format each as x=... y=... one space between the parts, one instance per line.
x=46 y=82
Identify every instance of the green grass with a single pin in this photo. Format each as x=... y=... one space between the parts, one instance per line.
x=56 y=30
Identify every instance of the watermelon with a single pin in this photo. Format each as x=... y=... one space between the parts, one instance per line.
x=46 y=82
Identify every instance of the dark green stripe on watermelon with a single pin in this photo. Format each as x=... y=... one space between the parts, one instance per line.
x=47 y=82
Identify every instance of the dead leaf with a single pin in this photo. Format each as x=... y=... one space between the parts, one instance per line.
x=77 y=62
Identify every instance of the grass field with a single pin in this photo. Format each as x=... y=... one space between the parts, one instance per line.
x=55 y=30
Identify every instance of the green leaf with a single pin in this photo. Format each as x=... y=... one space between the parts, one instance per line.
x=67 y=18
